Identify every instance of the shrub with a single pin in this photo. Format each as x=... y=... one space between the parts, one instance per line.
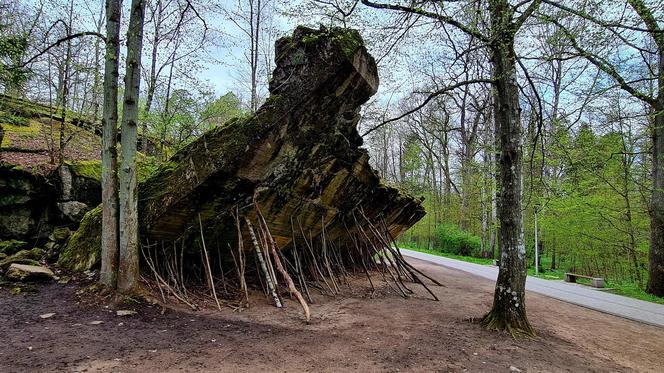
x=451 y=239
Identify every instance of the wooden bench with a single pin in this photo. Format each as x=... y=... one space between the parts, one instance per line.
x=596 y=282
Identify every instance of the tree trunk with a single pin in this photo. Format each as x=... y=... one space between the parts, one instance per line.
x=109 y=176
x=509 y=309
x=97 y=76
x=152 y=83
x=128 y=273
x=656 y=253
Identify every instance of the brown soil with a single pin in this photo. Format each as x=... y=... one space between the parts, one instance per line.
x=386 y=333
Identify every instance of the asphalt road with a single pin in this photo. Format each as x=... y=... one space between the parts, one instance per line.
x=582 y=295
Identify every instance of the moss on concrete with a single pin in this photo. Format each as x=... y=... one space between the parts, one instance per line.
x=83 y=250
x=12 y=246
x=22 y=257
x=88 y=169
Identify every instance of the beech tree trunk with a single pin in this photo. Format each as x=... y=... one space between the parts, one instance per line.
x=509 y=308
x=128 y=273
x=656 y=254
x=109 y=176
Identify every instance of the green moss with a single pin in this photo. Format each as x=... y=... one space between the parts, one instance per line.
x=31 y=130
x=145 y=167
x=348 y=40
x=60 y=234
x=83 y=251
x=87 y=169
x=285 y=39
x=311 y=38
x=12 y=246
x=22 y=257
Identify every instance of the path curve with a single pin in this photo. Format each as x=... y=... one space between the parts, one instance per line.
x=585 y=296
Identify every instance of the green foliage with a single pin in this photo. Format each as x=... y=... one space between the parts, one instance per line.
x=12 y=50
x=632 y=290
x=221 y=110
x=591 y=187
x=188 y=115
x=469 y=259
x=451 y=239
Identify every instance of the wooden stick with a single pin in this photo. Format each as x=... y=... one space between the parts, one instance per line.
x=298 y=264
x=313 y=257
x=165 y=284
x=240 y=248
x=289 y=281
x=207 y=263
x=270 y=284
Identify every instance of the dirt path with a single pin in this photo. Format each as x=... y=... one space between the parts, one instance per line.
x=586 y=296
x=386 y=333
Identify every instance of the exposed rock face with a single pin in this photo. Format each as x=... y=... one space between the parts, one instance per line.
x=32 y=205
x=73 y=210
x=299 y=156
x=23 y=211
x=81 y=182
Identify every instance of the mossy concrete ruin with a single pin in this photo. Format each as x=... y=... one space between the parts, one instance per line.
x=299 y=157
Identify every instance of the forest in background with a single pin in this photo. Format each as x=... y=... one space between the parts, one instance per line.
x=587 y=141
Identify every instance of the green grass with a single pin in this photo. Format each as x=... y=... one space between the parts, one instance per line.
x=547 y=274
x=469 y=259
x=627 y=289
x=632 y=290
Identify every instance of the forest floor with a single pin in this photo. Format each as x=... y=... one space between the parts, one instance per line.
x=353 y=333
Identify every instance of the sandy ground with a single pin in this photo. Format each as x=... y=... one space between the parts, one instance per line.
x=385 y=333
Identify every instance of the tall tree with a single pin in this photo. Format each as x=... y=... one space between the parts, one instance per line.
x=648 y=24
x=509 y=310
x=253 y=18
x=109 y=176
x=128 y=273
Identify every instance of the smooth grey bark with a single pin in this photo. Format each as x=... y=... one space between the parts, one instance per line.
x=109 y=157
x=128 y=273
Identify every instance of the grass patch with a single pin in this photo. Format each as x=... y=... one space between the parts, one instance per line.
x=632 y=290
x=548 y=274
x=627 y=289
x=470 y=259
